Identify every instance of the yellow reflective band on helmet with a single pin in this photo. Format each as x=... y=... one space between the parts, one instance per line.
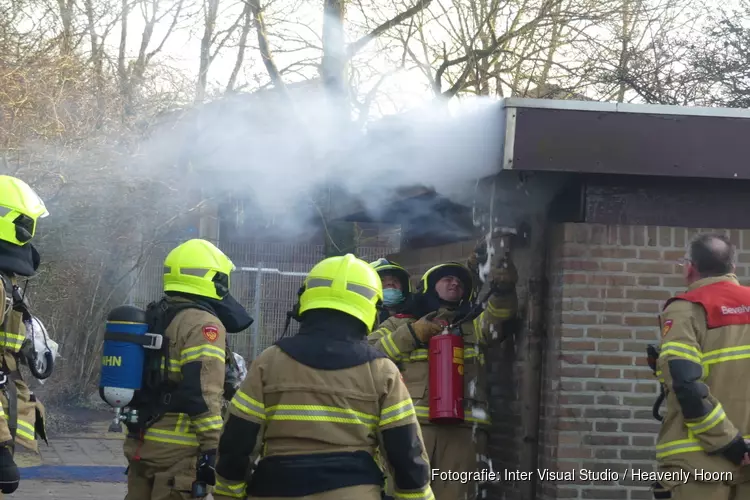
x=320 y=413
x=425 y=494
x=171 y=437
x=20 y=208
x=705 y=424
x=202 y=351
x=462 y=271
x=207 y=423
x=248 y=405
x=396 y=412
x=193 y=266
x=230 y=489
x=345 y=284
x=11 y=341
x=26 y=430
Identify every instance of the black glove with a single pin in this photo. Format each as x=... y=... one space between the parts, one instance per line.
x=735 y=451
x=9 y=476
x=206 y=468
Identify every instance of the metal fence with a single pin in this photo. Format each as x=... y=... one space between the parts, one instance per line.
x=266 y=282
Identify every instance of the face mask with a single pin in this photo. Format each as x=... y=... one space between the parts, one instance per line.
x=392 y=296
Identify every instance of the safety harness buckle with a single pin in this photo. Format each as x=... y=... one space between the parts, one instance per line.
x=156 y=341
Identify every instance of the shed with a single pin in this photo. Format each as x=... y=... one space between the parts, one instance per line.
x=611 y=194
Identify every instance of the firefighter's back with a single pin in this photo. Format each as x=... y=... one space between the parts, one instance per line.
x=321 y=424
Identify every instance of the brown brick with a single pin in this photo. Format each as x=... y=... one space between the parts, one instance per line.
x=673 y=255
x=606 y=386
x=606 y=426
x=573 y=250
x=610 y=305
x=571 y=412
x=576 y=345
x=639 y=236
x=612 y=279
x=649 y=281
x=613 y=253
x=650 y=268
x=609 y=333
x=608 y=400
x=579 y=319
x=609 y=373
x=646 y=388
x=612 y=266
x=567 y=385
x=638 y=401
x=609 y=359
x=612 y=293
x=606 y=454
x=609 y=346
x=573 y=425
x=643 y=294
x=573 y=452
x=584 y=292
x=612 y=414
x=639 y=347
x=637 y=454
x=595 y=440
x=673 y=281
x=644 y=428
x=572 y=332
x=649 y=335
x=643 y=440
x=576 y=399
x=611 y=319
x=578 y=372
x=580 y=265
x=643 y=374
x=648 y=307
x=574 y=279
x=641 y=321
x=571 y=304
x=649 y=254
x=573 y=359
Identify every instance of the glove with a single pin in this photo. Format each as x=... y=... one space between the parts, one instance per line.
x=206 y=468
x=477 y=258
x=9 y=476
x=736 y=451
x=426 y=327
x=504 y=277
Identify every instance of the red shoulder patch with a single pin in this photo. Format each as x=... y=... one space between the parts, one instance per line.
x=211 y=333
x=667 y=326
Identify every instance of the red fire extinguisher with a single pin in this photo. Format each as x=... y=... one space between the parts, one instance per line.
x=446 y=364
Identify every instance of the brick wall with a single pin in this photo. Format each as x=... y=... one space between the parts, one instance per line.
x=607 y=285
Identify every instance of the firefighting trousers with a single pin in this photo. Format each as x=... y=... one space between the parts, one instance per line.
x=362 y=492
x=695 y=490
x=147 y=482
x=453 y=450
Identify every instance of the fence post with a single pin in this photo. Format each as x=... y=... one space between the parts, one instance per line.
x=256 y=310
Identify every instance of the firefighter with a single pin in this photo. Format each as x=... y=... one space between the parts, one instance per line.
x=174 y=450
x=397 y=311
x=322 y=402
x=444 y=294
x=705 y=332
x=22 y=414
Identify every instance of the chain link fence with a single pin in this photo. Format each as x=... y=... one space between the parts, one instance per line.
x=266 y=282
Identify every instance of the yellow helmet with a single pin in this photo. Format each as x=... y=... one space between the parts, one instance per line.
x=460 y=271
x=346 y=284
x=199 y=268
x=385 y=266
x=20 y=207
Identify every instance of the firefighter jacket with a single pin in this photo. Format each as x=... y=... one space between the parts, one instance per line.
x=322 y=402
x=400 y=345
x=704 y=353
x=24 y=414
x=192 y=416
